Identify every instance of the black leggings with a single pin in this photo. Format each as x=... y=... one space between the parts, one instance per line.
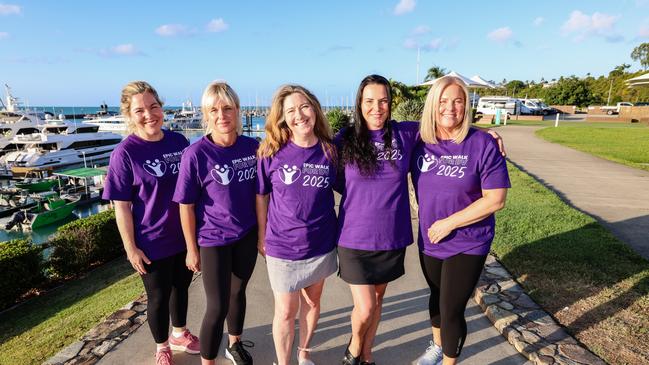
x=166 y=283
x=226 y=271
x=451 y=283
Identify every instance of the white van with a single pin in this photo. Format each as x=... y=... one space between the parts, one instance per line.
x=487 y=105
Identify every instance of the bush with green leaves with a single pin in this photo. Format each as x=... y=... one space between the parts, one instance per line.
x=410 y=109
x=337 y=119
x=21 y=269
x=84 y=242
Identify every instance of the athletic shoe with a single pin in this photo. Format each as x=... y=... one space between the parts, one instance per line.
x=187 y=342
x=349 y=359
x=164 y=357
x=237 y=354
x=432 y=356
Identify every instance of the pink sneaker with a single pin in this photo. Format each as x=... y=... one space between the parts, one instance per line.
x=187 y=342
x=163 y=357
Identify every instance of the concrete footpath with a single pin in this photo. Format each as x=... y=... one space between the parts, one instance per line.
x=614 y=194
x=403 y=333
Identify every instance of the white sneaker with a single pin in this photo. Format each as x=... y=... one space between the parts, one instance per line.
x=432 y=356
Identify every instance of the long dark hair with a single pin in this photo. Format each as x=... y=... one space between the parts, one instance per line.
x=357 y=147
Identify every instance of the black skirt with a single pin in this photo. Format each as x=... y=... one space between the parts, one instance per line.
x=361 y=267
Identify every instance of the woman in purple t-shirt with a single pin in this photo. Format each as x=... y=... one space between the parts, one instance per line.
x=141 y=181
x=460 y=180
x=297 y=221
x=216 y=192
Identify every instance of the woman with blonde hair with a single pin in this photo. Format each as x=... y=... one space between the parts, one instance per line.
x=216 y=192
x=295 y=211
x=461 y=180
x=141 y=181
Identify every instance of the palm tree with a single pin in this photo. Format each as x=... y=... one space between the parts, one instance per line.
x=435 y=72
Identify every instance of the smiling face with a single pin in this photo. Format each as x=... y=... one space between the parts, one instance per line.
x=299 y=116
x=450 y=111
x=375 y=106
x=147 y=116
x=222 y=117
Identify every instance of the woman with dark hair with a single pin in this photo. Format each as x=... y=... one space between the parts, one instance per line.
x=374 y=215
x=141 y=181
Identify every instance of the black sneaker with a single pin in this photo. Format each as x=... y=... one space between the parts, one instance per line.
x=237 y=354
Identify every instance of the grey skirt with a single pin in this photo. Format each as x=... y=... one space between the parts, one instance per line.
x=292 y=275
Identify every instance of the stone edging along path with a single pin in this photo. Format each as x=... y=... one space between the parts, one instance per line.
x=532 y=331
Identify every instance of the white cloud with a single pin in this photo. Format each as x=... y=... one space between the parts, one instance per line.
x=598 y=24
x=538 y=21
x=500 y=35
x=4 y=35
x=410 y=43
x=8 y=9
x=125 y=50
x=404 y=6
x=422 y=29
x=434 y=45
x=119 y=50
x=217 y=25
x=172 y=30
x=644 y=32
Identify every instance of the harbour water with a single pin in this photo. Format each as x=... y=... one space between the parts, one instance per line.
x=41 y=235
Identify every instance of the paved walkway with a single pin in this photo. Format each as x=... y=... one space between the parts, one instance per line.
x=616 y=195
x=403 y=333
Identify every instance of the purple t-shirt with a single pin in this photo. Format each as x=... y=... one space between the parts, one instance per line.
x=375 y=210
x=145 y=174
x=448 y=177
x=301 y=218
x=222 y=183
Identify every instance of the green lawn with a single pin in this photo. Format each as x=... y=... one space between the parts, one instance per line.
x=36 y=330
x=623 y=143
x=591 y=282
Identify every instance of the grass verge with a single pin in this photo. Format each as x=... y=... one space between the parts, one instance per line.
x=590 y=281
x=627 y=144
x=33 y=332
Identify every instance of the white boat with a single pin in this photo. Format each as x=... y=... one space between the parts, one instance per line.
x=61 y=143
x=15 y=120
x=189 y=117
x=111 y=123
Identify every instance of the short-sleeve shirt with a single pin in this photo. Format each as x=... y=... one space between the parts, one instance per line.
x=221 y=182
x=375 y=210
x=301 y=217
x=448 y=177
x=145 y=173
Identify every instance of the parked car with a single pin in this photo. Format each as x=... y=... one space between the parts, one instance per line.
x=610 y=110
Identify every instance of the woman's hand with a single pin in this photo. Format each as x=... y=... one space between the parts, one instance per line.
x=137 y=258
x=261 y=247
x=439 y=230
x=193 y=260
x=499 y=140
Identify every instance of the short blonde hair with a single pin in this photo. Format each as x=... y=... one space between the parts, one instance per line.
x=428 y=127
x=219 y=90
x=128 y=92
x=277 y=132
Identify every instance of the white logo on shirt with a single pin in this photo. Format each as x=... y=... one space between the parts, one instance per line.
x=156 y=168
x=222 y=174
x=426 y=163
x=289 y=175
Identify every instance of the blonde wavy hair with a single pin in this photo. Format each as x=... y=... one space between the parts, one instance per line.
x=131 y=89
x=428 y=126
x=277 y=132
x=220 y=90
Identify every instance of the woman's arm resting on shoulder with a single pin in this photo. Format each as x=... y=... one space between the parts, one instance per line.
x=188 y=223
x=499 y=140
x=262 y=218
x=492 y=200
x=124 y=219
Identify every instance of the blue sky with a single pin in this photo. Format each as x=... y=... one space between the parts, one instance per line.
x=82 y=52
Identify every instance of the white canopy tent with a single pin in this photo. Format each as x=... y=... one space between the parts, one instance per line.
x=638 y=81
x=471 y=83
x=484 y=82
